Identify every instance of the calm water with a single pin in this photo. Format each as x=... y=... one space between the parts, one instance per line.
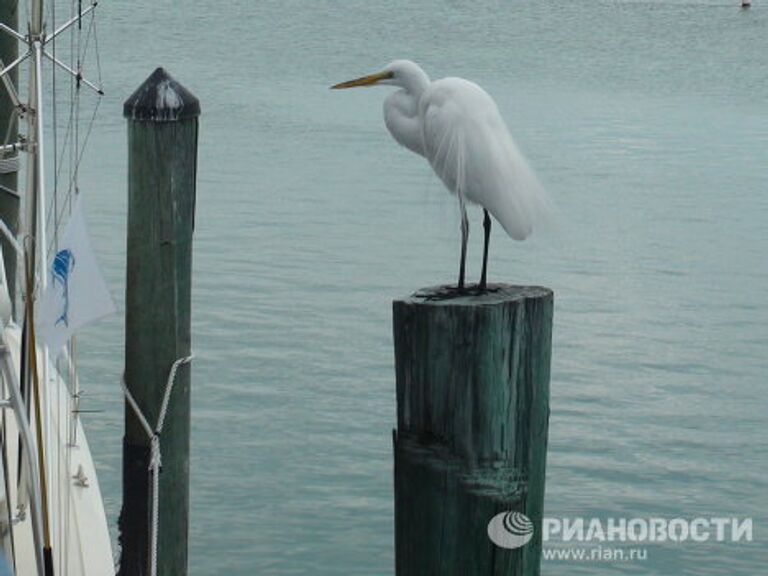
x=647 y=122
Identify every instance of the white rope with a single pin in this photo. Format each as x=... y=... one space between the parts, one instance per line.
x=155 y=459
x=11 y=238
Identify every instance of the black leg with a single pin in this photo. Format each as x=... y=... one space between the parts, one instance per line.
x=464 y=236
x=487 y=228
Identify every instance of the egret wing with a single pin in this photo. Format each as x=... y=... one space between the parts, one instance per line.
x=470 y=148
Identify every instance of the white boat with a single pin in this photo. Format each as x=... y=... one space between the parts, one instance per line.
x=52 y=518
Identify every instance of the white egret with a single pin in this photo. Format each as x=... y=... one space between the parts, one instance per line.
x=457 y=127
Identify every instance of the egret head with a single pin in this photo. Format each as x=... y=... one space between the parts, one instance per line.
x=402 y=73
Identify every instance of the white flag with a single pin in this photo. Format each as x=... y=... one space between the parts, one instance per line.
x=76 y=293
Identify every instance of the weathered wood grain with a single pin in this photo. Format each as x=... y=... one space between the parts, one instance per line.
x=472 y=374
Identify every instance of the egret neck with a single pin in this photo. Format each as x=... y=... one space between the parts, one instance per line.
x=401 y=108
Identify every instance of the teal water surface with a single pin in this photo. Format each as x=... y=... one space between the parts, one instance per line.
x=647 y=123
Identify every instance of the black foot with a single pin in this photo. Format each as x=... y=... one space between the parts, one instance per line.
x=483 y=288
x=448 y=292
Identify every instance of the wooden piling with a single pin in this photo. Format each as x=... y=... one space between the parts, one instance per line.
x=472 y=376
x=10 y=200
x=162 y=164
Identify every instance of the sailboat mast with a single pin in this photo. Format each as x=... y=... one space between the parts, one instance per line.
x=34 y=228
x=34 y=232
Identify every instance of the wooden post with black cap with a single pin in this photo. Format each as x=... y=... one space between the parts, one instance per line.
x=162 y=165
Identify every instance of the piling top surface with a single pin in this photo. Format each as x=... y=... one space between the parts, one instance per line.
x=494 y=294
x=161 y=99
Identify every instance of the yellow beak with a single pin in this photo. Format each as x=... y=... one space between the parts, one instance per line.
x=369 y=80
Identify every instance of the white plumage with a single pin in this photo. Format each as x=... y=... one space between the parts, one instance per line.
x=457 y=127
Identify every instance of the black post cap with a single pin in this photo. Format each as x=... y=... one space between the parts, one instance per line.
x=161 y=99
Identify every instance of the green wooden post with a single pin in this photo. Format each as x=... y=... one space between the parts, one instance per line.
x=472 y=422
x=9 y=162
x=162 y=164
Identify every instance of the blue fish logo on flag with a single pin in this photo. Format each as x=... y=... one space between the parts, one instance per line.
x=76 y=293
x=62 y=264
